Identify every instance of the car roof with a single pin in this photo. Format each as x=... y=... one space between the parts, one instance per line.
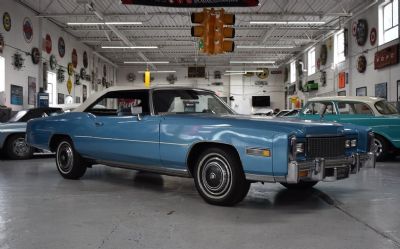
x=98 y=94
x=348 y=98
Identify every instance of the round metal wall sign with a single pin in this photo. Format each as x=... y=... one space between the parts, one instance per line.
x=6 y=21
x=27 y=29
x=362 y=32
x=70 y=69
x=48 y=44
x=61 y=47
x=35 y=55
x=372 y=36
x=361 y=64
x=74 y=58
x=53 y=62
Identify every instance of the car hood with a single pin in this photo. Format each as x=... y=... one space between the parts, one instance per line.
x=283 y=125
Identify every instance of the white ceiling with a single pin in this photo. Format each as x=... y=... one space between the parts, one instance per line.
x=169 y=28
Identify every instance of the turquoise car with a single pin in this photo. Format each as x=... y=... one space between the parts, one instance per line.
x=193 y=133
x=375 y=113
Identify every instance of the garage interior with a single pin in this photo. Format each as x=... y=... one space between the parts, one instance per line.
x=288 y=51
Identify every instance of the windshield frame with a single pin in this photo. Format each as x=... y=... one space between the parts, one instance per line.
x=387 y=104
x=212 y=93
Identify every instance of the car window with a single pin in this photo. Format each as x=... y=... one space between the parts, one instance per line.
x=18 y=116
x=319 y=108
x=188 y=101
x=121 y=103
x=385 y=108
x=354 y=108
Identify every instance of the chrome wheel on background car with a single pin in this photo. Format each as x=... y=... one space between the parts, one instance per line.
x=381 y=148
x=69 y=163
x=219 y=177
x=17 y=147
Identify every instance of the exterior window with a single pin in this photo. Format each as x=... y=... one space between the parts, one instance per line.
x=354 y=108
x=293 y=72
x=2 y=75
x=311 y=61
x=389 y=21
x=319 y=108
x=339 y=47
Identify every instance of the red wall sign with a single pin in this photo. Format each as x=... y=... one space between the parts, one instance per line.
x=342 y=80
x=387 y=57
x=194 y=3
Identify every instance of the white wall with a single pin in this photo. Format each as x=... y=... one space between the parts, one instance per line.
x=369 y=78
x=241 y=88
x=16 y=39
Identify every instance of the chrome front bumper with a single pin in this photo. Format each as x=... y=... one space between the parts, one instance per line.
x=321 y=169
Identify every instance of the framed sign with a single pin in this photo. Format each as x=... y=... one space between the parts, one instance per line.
x=61 y=99
x=361 y=91
x=387 y=57
x=27 y=29
x=84 y=93
x=398 y=91
x=194 y=4
x=17 y=95
x=341 y=93
x=31 y=90
x=381 y=90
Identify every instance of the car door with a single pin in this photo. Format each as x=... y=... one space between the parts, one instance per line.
x=123 y=131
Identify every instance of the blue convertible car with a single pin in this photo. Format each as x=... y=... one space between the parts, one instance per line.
x=193 y=133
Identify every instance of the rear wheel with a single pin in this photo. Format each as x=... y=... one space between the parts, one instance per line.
x=382 y=148
x=69 y=163
x=219 y=177
x=300 y=185
x=16 y=147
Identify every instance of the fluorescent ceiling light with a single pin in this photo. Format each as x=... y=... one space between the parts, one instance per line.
x=132 y=47
x=261 y=46
x=252 y=62
x=244 y=71
x=285 y=22
x=103 y=23
x=146 y=62
x=234 y=73
x=165 y=71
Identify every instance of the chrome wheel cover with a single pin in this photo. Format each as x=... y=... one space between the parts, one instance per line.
x=214 y=176
x=378 y=147
x=65 y=157
x=20 y=148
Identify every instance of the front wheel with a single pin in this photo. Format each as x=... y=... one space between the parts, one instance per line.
x=17 y=148
x=300 y=185
x=219 y=177
x=69 y=163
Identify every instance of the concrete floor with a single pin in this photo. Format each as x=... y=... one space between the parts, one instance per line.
x=116 y=208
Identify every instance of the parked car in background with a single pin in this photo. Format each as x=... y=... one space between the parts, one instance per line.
x=12 y=133
x=375 y=113
x=193 y=133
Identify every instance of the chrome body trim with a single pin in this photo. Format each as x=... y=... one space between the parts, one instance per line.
x=130 y=140
x=153 y=169
x=316 y=169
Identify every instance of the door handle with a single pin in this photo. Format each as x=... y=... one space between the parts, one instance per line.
x=99 y=124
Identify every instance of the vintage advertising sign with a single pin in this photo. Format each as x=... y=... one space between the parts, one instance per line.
x=194 y=3
x=387 y=57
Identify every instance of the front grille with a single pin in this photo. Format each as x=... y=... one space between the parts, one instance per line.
x=325 y=147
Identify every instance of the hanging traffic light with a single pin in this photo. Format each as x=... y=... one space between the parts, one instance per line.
x=222 y=44
x=201 y=30
x=213 y=31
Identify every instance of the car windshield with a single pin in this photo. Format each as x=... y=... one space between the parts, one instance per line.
x=18 y=116
x=385 y=108
x=188 y=101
